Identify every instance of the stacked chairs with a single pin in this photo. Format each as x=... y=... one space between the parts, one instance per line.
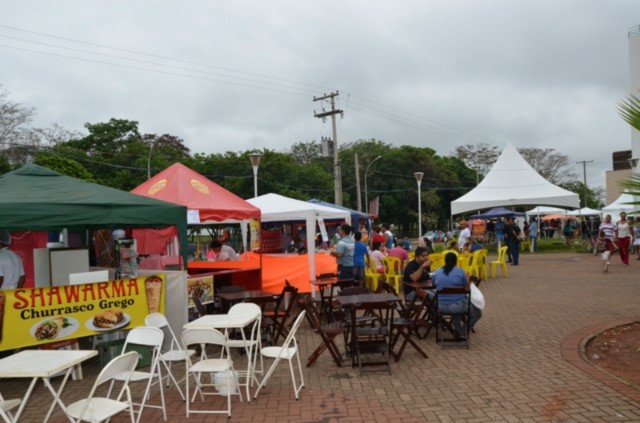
x=328 y=333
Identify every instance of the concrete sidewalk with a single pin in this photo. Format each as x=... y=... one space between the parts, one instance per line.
x=523 y=365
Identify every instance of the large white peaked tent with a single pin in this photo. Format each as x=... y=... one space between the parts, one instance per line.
x=513 y=182
x=620 y=205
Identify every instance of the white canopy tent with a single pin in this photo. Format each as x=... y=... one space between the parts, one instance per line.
x=585 y=211
x=513 y=182
x=542 y=210
x=277 y=208
x=620 y=205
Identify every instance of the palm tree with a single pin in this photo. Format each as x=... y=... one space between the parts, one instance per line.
x=629 y=109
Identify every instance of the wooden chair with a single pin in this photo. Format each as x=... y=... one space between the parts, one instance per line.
x=445 y=321
x=371 y=343
x=500 y=261
x=328 y=332
x=393 y=271
x=200 y=308
x=275 y=320
x=371 y=275
x=407 y=325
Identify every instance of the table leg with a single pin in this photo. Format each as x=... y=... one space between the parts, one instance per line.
x=25 y=398
x=56 y=395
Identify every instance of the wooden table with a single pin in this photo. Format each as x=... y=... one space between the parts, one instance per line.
x=43 y=364
x=326 y=286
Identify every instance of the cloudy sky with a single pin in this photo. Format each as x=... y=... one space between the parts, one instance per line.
x=237 y=75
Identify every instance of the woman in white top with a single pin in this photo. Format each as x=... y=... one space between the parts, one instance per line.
x=623 y=232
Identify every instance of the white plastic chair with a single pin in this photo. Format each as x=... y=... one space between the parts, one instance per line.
x=153 y=338
x=252 y=344
x=98 y=409
x=204 y=337
x=175 y=352
x=287 y=351
x=5 y=408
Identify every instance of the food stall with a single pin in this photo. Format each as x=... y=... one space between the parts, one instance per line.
x=38 y=199
x=207 y=203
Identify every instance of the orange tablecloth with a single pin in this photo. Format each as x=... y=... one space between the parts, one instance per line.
x=276 y=268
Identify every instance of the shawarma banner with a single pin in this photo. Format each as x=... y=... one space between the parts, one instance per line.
x=36 y=316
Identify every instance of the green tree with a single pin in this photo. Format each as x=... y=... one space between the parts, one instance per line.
x=63 y=165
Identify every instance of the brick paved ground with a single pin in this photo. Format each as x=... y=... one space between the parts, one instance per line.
x=524 y=364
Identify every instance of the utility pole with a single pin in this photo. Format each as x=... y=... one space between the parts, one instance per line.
x=359 y=197
x=337 y=179
x=584 y=172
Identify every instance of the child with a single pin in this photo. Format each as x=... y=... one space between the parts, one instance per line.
x=605 y=246
x=359 y=252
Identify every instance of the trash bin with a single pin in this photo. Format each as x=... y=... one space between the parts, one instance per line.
x=220 y=380
x=111 y=349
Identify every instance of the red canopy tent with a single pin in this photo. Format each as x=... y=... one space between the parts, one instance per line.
x=181 y=185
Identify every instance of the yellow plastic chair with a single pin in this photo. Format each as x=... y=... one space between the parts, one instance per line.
x=393 y=271
x=501 y=261
x=524 y=245
x=371 y=274
x=464 y=261
x=482 y=264
x=411 y=254
x=437 y=261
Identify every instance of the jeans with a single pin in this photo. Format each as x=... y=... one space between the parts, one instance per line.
x=460 y=308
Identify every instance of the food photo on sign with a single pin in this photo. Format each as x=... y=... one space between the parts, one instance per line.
x=66 y=312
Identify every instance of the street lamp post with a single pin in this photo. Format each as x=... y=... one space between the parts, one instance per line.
x=419 y=176
x=153 y=144
x=366 y=199
x=255 y=162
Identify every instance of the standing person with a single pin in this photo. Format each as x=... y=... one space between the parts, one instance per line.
x=623 y=232
x=499 y=226
x=508 y=238
x=605 y=247
x=359 y=254
x=343 y=252
x=533 y=235
x=491 y=231
x=465 y=234
x=417 y=270
x=608 y=228
x=388 y=236
x=636 y=236
x=451 y=275
x=514 y=243
x=401 y=253
x=11 y=269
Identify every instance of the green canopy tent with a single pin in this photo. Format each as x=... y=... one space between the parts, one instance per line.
x=36 y=198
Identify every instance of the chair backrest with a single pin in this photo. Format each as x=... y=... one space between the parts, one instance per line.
x=293 y=291
x=371 y=265
x=207 y=336
x=452 y=290
x=392 y=266
x=291 y=337
x=199 y=306
x=145 y=335
x=159 y=320
x=437 y=261
x=502 y=254
x=125 y=363
x=386 y=287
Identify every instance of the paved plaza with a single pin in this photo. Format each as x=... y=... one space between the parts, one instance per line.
x=524 y=364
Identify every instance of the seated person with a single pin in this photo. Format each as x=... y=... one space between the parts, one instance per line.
x=450 y=275
x=417 y=270
x=475 y=245
x=224 y=252
x=377 y=255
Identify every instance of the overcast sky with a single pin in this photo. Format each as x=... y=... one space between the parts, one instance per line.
x=237 y=75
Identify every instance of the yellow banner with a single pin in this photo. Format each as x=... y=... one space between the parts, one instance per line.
x=36 y=316
x=202 y=287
